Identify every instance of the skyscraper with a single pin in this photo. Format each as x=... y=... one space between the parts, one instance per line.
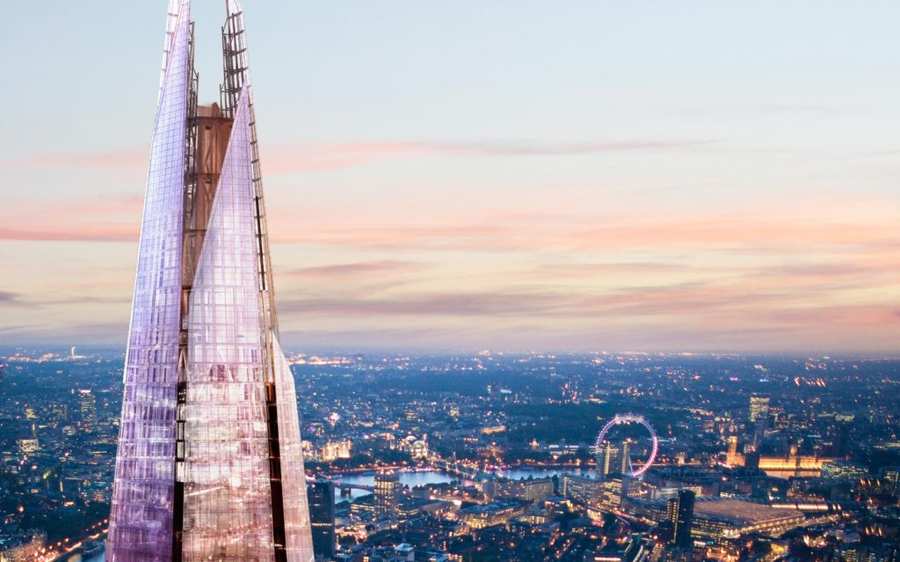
x=87 y=404
x=680 y=518
x=625 y=460
x=732 y=457
x=608 y=453
x=209 y=465
x=759 y=408
x=386 y=488
x=321 y=516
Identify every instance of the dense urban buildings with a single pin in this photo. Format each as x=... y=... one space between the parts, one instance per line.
x=209 y=459
x=510 y=470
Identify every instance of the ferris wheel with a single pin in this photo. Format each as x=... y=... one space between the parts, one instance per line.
x=629 y=419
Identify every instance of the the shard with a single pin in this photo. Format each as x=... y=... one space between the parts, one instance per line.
x=209 y=464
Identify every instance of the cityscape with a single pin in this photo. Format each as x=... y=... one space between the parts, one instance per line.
x=644 y=327
x=492 y=456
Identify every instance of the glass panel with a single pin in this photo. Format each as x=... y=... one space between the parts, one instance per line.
x=228 y=508
x=296 y=511
x=141 y=515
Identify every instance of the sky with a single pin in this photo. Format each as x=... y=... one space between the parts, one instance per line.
x=515 y=176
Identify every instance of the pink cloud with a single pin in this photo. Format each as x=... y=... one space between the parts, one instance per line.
x=498 y=234
x=8 y=298
x=356 y=269
x=318 y=156
x=78 y=233
x=684 y=300
x=117 y=220
x=131 y=158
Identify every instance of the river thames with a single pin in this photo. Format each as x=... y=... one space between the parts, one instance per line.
x=413 y=478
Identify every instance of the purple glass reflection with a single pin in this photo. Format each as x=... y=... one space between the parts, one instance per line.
x=141 y=515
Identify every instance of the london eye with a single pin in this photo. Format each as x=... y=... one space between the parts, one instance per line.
x=630 y=419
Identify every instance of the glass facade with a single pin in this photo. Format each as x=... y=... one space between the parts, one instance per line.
x=210 y=463
x=298 y=532
x=141 y=515
x=227 y=504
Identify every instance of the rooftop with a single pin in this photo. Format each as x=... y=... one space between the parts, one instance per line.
x=739 y=512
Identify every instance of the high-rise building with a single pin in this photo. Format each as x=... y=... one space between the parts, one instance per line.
x=759 y=408
x=625 y=460
x=732 y=457
x=87 y=404
x=606 y=461
x=321 y=518
x=387 y=485
x=209 y=463
x=680 y=518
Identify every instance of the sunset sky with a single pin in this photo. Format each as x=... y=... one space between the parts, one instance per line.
x=597 y=175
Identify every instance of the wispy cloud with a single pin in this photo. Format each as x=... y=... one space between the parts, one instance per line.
x=560 y=270
x=83 y=300
x=305 y=156
x=507 y=234
x=8 y=298
x=440 y=304
x=130 y=158
x=631 y=301
x=95 y=219
x=96 y=233
x=493 y=233
x=355 y=269
x=115 y=333
x=711 y=296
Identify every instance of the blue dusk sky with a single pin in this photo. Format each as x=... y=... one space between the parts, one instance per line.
x=597 y=175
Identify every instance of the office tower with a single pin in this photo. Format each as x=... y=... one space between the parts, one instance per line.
x=732 y=445
x=759 y=409
x=608 y=453
x=625 y=461
x=680 y=517
x=891 y=477
x=321 y=518
x=732 y=457
x=671 y=518
x=87 y=405
x=387 y=485
x=209 y=464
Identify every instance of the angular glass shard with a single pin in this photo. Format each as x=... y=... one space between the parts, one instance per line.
x=296 y=510
x=175 y=8
x=228 y=503
x=141 y=515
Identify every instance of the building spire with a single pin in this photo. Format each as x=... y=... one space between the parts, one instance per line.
x=210 y=463
x=233 y=7
x=174 y=13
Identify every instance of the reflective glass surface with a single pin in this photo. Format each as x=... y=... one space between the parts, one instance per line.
x=296 y=511
x=227 y=504
x=141 y=515
x=228 y=508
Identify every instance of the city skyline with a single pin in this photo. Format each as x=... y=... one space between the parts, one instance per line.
x=527 y=281
x=475 y=176
x=498 y=454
